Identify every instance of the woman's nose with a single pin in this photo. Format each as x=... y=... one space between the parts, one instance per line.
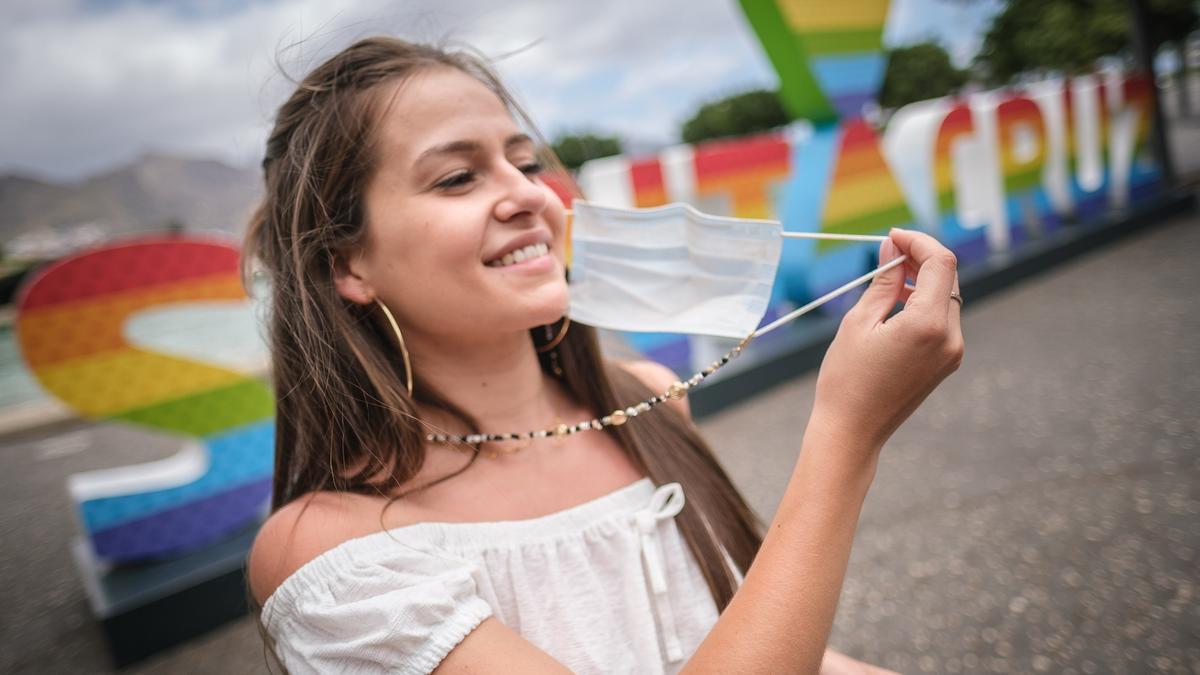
x=521 y=194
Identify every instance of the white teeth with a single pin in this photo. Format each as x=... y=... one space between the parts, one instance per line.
x=522 y=254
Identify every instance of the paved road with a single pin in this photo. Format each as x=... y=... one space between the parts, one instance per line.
x=1041 y=512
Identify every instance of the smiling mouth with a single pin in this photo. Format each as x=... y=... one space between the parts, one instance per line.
x=521 y=255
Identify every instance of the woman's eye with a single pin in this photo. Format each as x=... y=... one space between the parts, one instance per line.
x=456 y=180
x=532 y=168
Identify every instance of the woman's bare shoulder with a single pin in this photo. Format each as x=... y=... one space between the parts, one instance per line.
x=659 y=378
x=308 y=526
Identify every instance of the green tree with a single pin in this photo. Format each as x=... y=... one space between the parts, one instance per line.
x=917 y=73
x=736 y=115
x=575 y=149
x=1069 y=35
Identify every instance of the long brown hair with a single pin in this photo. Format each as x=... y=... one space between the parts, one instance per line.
x=344 y=418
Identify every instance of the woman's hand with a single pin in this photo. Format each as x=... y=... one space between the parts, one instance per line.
x=879 y=369
x=874 y=375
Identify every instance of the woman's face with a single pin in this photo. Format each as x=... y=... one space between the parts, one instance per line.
x=463 y=238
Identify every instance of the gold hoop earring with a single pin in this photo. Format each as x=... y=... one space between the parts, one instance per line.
x=562 y=333
x=403 y=349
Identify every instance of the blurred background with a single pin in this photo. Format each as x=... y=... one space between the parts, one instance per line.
x=1040 y=514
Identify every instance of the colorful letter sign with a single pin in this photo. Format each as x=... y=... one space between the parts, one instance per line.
x=71 y=325
x=983 y=173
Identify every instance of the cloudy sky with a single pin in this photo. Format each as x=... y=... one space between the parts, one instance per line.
x=92 y=84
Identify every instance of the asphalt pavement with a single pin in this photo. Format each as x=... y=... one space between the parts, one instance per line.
x=1040 y=512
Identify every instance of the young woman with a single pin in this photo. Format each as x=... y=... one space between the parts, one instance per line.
x=416 y=265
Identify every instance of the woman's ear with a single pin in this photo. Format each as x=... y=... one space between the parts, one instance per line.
x=349 y=280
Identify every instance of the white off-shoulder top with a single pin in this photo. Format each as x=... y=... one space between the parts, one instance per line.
x=608 y=586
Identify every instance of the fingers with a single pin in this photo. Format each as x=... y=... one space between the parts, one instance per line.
x=885 y=290
x=936 y=271
x=956 y=309
x=929 y=304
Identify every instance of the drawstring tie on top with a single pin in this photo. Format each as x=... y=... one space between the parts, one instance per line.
x=666 y=503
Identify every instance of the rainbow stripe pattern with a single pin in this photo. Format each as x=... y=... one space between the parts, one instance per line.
x=741 y=175
x=829 y=56
x=841 y=183
x=70 y=330
x=863 y=196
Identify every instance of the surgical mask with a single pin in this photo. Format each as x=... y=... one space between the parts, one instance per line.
x=673 y=269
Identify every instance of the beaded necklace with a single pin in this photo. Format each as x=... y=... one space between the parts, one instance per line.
x=616 y=418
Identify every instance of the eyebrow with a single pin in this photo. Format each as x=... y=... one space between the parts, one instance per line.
x=468 y=147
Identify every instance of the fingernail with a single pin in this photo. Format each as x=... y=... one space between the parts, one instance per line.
x=887 y=251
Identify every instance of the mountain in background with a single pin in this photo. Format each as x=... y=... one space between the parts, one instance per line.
x=146 y=195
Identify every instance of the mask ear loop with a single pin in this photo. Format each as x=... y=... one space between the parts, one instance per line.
x=793 y=315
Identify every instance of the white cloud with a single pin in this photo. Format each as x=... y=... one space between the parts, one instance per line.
x=89 y=84
x=87 y=88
